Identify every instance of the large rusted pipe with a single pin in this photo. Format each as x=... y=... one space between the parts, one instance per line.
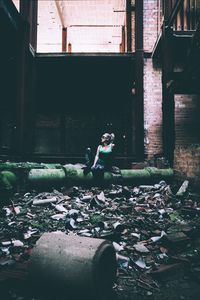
x=44 y=177
x=77 y=266
x=70 y=176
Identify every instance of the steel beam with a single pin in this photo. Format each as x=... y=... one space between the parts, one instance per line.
x=129 y=25
x=139 y=81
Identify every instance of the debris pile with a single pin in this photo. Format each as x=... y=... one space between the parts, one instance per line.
x=154 y=230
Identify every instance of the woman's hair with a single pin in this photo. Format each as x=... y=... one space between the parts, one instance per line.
x=109 y=137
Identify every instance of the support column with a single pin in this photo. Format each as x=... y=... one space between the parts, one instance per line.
x=33 y=23
x=122 y=45
x=139 y=81
x=167 y=8
x=69 y=48
x=64 y=40
x=24 y=9
x=129 y=25
x=168 y=94
x=25 y=81
x=22 y=89
x=31 y=93
x=30 y=109
x=29 y=11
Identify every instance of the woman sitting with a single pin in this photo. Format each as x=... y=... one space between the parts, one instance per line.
x=103 y=158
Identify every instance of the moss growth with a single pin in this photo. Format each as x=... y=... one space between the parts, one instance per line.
x=7 y=180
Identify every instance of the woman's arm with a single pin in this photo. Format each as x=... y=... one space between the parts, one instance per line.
x=96 y=158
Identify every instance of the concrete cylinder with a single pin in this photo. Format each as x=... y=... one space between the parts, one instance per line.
x=73 y=265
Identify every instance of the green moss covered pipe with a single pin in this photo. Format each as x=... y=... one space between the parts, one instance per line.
x=46 y=176
x=13 y=166
x=71 y=176
x=8 y=181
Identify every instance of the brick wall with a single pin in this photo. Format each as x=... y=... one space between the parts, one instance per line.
x=187 y=143
x=187 y=120
x=152 y=108
x=133 y=32
x=152 y=84
x=187 y=164
x=151 y=24
x=187 y=110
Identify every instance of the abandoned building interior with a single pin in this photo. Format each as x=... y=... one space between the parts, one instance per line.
x=71 y=70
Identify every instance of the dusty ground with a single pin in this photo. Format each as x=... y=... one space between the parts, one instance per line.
x=154 y=229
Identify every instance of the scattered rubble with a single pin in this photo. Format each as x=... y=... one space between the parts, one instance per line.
x=154 y=231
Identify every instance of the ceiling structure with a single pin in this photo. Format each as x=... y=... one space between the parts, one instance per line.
x=91 y=25
x=49 y=30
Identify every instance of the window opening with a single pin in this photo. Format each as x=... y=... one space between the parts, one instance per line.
x=81 y=26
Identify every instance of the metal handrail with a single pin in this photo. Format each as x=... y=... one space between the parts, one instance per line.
x=183 y=15
x=169 y=22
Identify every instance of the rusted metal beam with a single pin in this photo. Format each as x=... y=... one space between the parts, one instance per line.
x=29 y=11
x=168 y=94
x=168 y=108
x=122 y=45
x=64 y=39
x=30 y=109
x=33 y=23
x=97 y=54
x=139 y=81
x=95 y=25
x=129 y=25
x=25 y=84
x=69 y=48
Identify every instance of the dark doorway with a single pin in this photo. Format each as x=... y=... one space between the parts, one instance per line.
x=78 y=98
